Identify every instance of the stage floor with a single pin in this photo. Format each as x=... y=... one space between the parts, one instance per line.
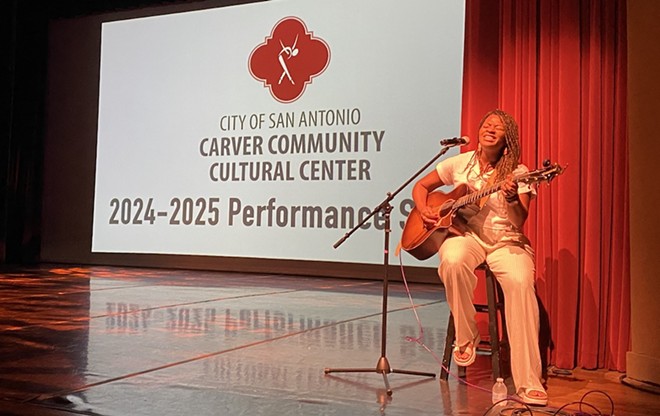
x=144 y=342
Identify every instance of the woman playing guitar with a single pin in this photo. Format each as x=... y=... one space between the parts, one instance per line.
x=489 y=230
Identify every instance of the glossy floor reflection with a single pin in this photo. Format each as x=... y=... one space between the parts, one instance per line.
x=139 y=342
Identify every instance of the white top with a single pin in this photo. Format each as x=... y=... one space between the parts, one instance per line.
x=491 y=223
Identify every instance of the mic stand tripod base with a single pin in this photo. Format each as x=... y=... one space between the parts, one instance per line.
x=383 y=367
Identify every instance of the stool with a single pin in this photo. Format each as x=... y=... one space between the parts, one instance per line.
x=497 y=346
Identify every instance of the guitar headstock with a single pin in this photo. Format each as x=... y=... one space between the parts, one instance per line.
x=547 y=173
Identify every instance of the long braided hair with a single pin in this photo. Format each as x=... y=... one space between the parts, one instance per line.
x=510 y=157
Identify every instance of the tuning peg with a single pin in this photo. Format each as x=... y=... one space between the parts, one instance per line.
x=546 y=163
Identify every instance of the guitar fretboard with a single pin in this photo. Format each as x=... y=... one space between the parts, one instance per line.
x=475 y=196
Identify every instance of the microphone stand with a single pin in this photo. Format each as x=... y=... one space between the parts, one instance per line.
x=383 y=366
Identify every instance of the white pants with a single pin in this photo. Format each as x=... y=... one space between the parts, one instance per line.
x=513 y=266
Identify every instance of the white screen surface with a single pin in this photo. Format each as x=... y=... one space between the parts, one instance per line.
x=197 y=155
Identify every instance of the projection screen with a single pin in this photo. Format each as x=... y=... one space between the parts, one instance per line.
x=270 y=130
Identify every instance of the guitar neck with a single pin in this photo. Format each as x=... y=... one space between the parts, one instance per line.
x=476 y=196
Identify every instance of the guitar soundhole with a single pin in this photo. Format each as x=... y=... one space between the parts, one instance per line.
x=446 y=208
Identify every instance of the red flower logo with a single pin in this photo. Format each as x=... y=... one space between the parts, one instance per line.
x=288 y=59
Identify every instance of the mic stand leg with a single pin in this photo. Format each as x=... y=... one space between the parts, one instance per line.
x=383 y=365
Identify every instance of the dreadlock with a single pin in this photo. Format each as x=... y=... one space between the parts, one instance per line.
x=510 y=159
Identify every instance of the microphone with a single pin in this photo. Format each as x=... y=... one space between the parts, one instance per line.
x=455 y=141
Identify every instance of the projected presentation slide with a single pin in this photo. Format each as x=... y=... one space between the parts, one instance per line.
x=270 y=130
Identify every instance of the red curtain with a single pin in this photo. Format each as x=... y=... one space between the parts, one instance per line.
x=559 y=67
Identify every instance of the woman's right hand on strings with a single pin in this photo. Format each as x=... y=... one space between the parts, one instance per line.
x=420 y=195
x=429 y=216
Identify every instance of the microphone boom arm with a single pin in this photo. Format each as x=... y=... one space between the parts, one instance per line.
x=391 y=195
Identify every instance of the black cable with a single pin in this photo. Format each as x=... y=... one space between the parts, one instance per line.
x=515 y=411
x=494 y=405
x=604 y=394
x=581 y=413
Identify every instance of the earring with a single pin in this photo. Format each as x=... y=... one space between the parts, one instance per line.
x=506 y=150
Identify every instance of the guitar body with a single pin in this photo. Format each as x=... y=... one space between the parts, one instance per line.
x=422 y=242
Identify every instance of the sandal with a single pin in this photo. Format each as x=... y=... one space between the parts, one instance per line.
x=536 y=397
x=470 y=349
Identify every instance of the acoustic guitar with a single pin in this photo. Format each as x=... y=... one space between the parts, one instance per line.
x=423 y=242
